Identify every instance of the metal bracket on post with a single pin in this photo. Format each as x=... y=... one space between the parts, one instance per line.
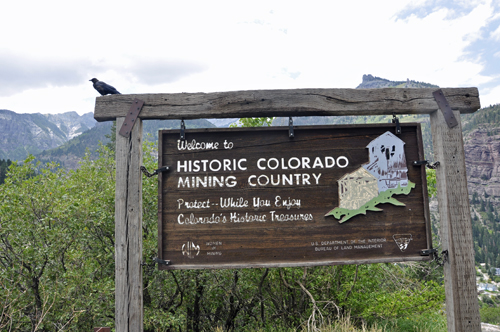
x=434 y=252
x=428 y=252
x=183 y=131
x=395 y=120
x=156 y=260
x=444 y=106
x=420 y=162
x=131 y=117
x=443 y=259
x=161 y=261
x=156 y=171
x=290 y=128
x=433 y=165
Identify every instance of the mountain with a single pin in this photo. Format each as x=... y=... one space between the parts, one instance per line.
x=373 y=82
x=23 y=134
x=69 y=154
x=222 y=123
x=368 y=82
x=65 y=137
x=481 y=132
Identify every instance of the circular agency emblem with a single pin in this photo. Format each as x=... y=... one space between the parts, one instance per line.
x=190 y=250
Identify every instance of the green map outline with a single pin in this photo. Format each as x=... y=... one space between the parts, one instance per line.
x=383 y=197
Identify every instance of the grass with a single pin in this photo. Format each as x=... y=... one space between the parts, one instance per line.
x=429 y=322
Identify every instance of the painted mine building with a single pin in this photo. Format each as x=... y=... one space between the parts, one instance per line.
x=387 y=161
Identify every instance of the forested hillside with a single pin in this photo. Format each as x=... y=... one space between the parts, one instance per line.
x=23 y=134
x=69 y=154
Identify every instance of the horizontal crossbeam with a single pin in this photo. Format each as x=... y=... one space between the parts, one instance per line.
x=297 y=102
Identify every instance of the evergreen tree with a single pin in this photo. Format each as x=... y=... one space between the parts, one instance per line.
x=4 y=165
x=112 y=137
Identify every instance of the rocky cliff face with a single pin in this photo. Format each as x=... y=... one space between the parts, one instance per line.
x=482 y=159
x=72 y=124
x=481 y=132
x=23 y=134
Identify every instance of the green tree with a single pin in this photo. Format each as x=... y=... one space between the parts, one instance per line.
x=254 y=122
x=56 y=246
x=490 y=315
x=112 y=137
x=431 y=182
x=4 y=165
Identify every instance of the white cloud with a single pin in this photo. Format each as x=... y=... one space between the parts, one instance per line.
x=80 y=99
x=205 y=46
x=495 y=35
x=19 y=72
x=489 y=96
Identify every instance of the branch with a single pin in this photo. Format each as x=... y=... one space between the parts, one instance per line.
x=312 y=324
x=353 y=283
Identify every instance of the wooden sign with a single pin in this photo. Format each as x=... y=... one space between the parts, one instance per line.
x=253 y=197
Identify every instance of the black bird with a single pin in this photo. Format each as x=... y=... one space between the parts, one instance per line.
x=103 y=88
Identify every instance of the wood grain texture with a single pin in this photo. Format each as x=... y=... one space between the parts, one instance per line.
x=128 y=230
x=298 y=102
x=240 y=242
x=462 y=307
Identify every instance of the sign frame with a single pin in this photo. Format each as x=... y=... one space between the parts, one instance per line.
x=455 y=223
x=406 y=128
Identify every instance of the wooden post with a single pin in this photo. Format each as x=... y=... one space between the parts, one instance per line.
x=462 y=307
x=128 y=230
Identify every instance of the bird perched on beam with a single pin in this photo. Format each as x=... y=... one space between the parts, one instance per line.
x=103 y=88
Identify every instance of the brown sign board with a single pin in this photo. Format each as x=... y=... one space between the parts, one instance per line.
x=254 y=197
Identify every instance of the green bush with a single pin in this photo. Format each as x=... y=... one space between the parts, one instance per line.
x=490 y=315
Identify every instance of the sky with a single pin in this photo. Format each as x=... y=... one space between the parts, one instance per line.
x=49 y=50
